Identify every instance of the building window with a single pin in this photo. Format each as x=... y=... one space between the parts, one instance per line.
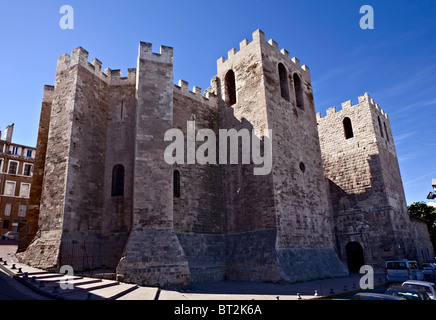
x=14 y=150
x=284 y=86
x=386 y=131
x=380 y=126
x=176 y=181
x=27 y=170
x=29 y=153
x=10 y=188
x=348 y=128
x=25 y=190
x=22 y=210
x=118 y=181
x=1 y=165
x=230 y=85
x=13 y=167
x=7 y=209
x=6 y=224
x=298 y=91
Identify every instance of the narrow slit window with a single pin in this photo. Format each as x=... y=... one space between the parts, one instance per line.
x=118 y=181
x=348 y=128
x=284 y=86
x=298 y=91
x=176 y=181
x=230 y=86
x=386 y=131
x=380 y=126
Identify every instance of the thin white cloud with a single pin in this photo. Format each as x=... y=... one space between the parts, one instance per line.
x=422 y=103
x=420 y=178
x=398 y=138
x=406 y=157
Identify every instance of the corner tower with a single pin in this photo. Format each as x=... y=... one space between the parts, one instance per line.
x=279 y=225
x=367 y=196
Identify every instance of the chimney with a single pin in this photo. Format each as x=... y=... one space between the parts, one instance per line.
x=8 y=133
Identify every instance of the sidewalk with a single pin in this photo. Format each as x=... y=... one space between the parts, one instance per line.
x=85 y=288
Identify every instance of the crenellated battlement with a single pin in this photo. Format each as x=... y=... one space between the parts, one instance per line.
x=259 y=37
x=146 y=52
x=196 y=93
x=79 y=56
x=365 y=98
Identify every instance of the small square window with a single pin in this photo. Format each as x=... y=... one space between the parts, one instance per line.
x=6 y=224
x=27 y=170
x=7 y=209
x=10 y=188
x=22 y=211
x=25 y=190
x=15 y=150
x=29 y=153
x=13 y=167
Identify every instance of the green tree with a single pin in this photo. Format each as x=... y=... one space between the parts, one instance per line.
x=422 y=210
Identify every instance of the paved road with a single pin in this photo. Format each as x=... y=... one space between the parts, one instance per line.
x=8 y=289
x=11 y=289
x=380 y=289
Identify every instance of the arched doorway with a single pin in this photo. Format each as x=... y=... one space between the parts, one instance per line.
x=354 y=256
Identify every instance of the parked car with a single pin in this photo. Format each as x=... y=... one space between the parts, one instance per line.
x=410 y=293
x=375 y=296
x=428 y=287
x=403 y=270
x=429 y=269
x=10 y=235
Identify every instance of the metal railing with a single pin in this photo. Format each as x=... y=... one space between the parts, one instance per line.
x=91 y=257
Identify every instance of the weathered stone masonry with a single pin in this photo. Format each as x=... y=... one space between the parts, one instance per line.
x=107 y=192
x=367 y=196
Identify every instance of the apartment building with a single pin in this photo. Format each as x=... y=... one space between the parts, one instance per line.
x=16 y=170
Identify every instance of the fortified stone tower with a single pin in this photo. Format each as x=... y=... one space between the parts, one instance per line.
x=105 y=197
x=106 y=186
x=153 y=254
x=278 y=225
x=368 y=202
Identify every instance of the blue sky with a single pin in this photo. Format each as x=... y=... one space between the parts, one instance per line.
x=395 y=62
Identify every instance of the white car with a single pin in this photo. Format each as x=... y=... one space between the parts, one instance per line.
x=403 y=270
x=10 y=235
x=429 y=287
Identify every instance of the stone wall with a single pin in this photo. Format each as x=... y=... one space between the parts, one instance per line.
x=38 y=169
x=366 y=190
x=153 y=254
x=422 y=239
x=292 y=224
x=43 y=252
x=289 y=204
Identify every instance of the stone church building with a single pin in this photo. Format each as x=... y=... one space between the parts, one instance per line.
x=104 y=197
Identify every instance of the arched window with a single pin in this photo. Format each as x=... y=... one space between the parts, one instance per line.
x=380 y=126
x=176 y=183
x=230 y=85
x=284 y=86
x=348 y=128
x=386 y=131
x=298 y=91
x=117 y=181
